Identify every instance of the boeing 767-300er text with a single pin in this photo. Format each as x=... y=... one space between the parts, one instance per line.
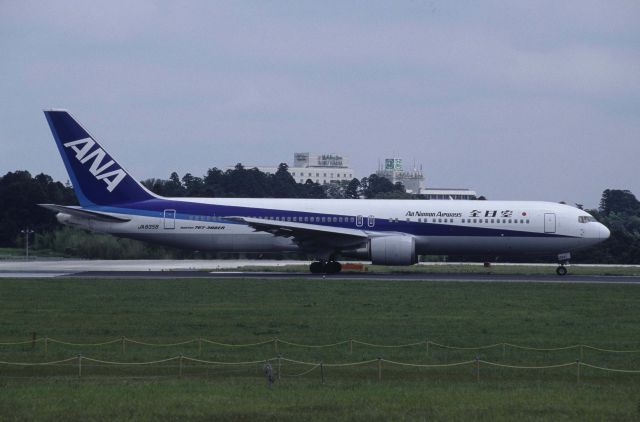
x=386 y=232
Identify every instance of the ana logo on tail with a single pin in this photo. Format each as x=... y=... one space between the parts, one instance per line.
x=83 y=149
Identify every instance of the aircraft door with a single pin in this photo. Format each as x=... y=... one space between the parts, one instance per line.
x=371 y=221
x=359 y=221
x=170 y=219
x=549 y=223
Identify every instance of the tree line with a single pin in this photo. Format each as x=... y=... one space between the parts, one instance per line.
x=241 y=182
x=20 y=192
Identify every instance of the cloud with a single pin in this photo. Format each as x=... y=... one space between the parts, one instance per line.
x=457 y=86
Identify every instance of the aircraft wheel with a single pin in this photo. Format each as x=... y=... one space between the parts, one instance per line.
x=333 y=267
x=561 y=270
x=316 y=267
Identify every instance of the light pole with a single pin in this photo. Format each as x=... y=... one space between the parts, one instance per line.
x=26 y=233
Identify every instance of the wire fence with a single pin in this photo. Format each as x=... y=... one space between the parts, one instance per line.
x=276 y=342
x=178 y=366
x=351 y=358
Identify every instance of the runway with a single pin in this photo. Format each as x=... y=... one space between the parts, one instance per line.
x=225 y=269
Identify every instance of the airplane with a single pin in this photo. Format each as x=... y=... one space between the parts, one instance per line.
x=385 y=232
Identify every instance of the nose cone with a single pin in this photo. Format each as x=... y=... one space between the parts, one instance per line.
x=604 y=232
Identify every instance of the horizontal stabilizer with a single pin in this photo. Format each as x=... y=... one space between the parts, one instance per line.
x=83 y=213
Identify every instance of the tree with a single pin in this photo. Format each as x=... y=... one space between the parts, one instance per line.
x=353 y=189
x=20 y=195
x=194 y=186
x=284 y=186
x=616 y=200
x=374 y=186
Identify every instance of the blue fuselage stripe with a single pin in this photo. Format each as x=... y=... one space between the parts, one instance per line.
x=212 y=213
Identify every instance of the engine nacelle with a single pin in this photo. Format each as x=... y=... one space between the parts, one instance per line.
x=393 y=250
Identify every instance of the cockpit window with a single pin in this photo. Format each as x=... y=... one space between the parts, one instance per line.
x=586 y=219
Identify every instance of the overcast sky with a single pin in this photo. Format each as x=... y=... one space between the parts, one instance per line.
x=517 y=100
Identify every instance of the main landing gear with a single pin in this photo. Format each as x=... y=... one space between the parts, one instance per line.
x=325 y=267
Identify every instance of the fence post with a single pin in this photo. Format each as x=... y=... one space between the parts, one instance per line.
x=350 y=346
x=581 y=352
x=200 y=346
x=279 y=364
x=180 y=366
x=123 y=344
x=504 y=350
x=46 y=345
x=322 y=371
x=578 y=371
x=379 y=368
x=33 y=340
x=477 y=369
x=79 y=365
x=275 y=344
x=427 y=343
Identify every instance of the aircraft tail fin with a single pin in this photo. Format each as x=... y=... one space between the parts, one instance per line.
x=97 y=178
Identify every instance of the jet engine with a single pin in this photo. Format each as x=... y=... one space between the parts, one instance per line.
x=393 y=250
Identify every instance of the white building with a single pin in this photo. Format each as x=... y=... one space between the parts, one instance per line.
x=437 y=193
x=319 y=168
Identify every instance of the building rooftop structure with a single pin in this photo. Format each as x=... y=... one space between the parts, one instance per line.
x=393 y=170
x=413 y=180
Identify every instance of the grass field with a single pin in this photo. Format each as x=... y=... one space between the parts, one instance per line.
x=468 y=268
x=318 y=312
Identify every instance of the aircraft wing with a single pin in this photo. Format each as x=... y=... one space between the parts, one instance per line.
x=308 y=235
x=83 y=213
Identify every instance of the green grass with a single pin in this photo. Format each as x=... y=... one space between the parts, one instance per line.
x=476 y=268
x=318 y=312
x=17 y=253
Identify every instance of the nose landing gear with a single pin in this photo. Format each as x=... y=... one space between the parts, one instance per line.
x=325 y=267
x=563 y=258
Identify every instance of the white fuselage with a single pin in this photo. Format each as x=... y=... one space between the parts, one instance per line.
x=439 y=227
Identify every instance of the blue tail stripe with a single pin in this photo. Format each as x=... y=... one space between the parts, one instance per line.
x=82 y=199
x=97 y=178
